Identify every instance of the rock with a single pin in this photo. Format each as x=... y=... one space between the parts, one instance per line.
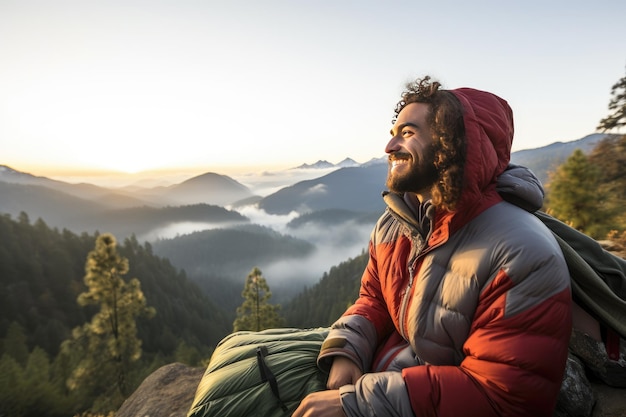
x=611 y=402
x=593 y=354
x=576 y=398
x=167 y=392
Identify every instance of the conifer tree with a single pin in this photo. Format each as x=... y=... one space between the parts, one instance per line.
x=256 y=313
x=11 y=386
x=617 y=107
x=610 y=155
x=575 y=196
x=108 y=344
x=14 y=344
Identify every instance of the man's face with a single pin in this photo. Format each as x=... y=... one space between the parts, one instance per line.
x=411 y=151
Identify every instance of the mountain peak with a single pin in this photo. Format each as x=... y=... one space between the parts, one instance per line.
x=324 y=164
x=8 y=174
x=321 y=164
x=348 y=162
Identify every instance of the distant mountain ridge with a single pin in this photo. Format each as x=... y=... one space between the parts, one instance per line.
x=210 y=187
x=348 y=186
x=547 y=158
x=353 y=188
x=323 y=164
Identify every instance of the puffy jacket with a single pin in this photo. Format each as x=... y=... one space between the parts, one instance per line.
x=472 y=319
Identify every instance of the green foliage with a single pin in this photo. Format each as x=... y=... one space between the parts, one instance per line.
x=575 y=197
x=14 y=344
x=589 y=193
x=610 y=156
x=30 y=389
x=216 y=259
x=617 y=107
x=324 y=303
x=108 y=345
x=11 y=387
x=256 y=313
x=185 y=312
x=41 y=277
x=185 y=353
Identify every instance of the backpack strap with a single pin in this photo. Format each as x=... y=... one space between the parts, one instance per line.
x=612 y=344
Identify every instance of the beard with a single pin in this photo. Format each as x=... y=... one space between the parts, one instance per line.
x=418 y=176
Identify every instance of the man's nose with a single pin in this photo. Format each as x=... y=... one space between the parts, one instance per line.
x=393 y=145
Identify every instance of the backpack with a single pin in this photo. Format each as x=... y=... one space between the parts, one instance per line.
x=598 y=280
x=263 y=374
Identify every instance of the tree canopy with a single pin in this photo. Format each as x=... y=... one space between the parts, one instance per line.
x=617 y=107
x=256 y=313
x=106 y=346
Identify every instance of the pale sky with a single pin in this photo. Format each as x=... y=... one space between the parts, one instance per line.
x=230 y=85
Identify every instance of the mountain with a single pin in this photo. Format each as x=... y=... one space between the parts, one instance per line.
x=64 y=211
x=321 y=164
x=545 y=159
x=347 y=163
x=57 y=208
x=353 y=188
x=105 y=197
x=218 y=260
x=356 y=189
x=123 y=212
x=210 y=188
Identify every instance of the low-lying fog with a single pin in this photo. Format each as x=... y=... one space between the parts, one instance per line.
x=334 y=244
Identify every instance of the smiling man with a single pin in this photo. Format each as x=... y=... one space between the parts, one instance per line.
x=465 y=305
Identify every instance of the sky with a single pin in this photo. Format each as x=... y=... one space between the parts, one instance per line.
x=250 y=85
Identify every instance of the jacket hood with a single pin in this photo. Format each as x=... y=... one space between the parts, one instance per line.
x=488 y=121
x=489 y=130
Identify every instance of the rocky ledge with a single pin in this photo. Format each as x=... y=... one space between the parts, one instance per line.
x=169 y=392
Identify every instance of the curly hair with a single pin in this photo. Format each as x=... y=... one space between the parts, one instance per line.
x=445 y=120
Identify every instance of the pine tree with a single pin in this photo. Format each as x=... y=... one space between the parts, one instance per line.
x=11 y=387
x=610 y=155
x=575 y=196
x=617 y=107
x=108 y=344
x=14 y=344
x=256 y=313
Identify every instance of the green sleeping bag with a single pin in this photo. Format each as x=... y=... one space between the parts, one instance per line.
x=263 y=374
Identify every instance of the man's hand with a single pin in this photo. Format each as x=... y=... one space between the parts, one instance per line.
x=320 y=404
x=343 y=372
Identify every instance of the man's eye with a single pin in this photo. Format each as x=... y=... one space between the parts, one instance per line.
x=407 y=132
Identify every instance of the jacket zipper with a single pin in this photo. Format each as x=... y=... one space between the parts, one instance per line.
x=405 y=301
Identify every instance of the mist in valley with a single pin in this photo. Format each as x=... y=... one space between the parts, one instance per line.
x=333 y=244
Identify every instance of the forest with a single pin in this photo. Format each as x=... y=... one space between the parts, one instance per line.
x=44 y=275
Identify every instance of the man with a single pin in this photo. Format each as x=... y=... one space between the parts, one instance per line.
x=465 y=306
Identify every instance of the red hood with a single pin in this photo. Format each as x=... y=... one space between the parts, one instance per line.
x=488 y=123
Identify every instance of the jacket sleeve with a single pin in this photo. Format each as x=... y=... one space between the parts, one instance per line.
x=362 y=327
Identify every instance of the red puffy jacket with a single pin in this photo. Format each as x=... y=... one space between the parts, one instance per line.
x=476 y=320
